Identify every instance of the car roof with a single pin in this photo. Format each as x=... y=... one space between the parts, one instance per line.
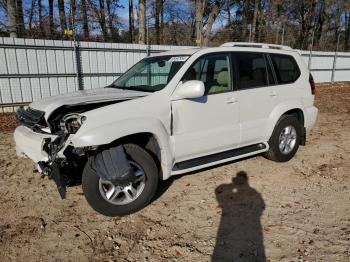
x=231 y=47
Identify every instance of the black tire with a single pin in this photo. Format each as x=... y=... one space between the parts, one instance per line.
x=274 y=153
x=90 y=184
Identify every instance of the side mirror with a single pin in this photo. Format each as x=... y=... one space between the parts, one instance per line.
x=190 y=89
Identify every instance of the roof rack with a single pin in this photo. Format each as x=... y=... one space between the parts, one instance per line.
x=256 y=45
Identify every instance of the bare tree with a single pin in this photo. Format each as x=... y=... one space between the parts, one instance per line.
x=72 y=14
x=41 y=22
x=229 y=15
x=245 y=18
x=111 y=21
x=142 y=21
x=158 y=12
x=131 y=20
x=347 y=31
x=255 y=17
x=52 y=25
x=85 y=20
x=31 y=14
x=19 y=18
x=62 y=15
x=199 y=21
x=102 y=19
x=11 y=13
x=211 y=19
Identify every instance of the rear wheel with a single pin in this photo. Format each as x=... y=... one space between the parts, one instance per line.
x=116 y=200
x=285 y=139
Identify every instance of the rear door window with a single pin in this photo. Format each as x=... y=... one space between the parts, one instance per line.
x=251 y=70
x=286 y=69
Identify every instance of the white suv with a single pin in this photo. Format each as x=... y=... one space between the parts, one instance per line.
x=169 y=114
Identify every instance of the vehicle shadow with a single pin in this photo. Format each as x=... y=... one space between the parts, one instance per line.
x=240 y=236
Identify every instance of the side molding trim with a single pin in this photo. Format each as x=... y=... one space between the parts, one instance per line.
x=218 y=156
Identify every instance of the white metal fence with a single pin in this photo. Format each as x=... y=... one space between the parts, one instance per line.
x=31 y=69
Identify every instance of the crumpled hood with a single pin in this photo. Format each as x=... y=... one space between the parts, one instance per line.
x=48 y=105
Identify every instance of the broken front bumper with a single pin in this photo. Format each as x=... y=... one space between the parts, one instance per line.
x=31 y=144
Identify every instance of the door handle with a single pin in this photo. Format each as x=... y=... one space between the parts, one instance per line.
x=273 y=93
x=231 y=100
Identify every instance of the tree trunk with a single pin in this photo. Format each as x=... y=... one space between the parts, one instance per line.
x=245 y=13
x=131 y=20
x=161 y=20
x=102 y=20
x=212 y=16
x=320 y=22
x=31 y=13
x=111 y=18
x=11 y=11
x=255 y=17
x=229 y=16
x=199 y=18
x=85 y=20
x=158 y=12
x=41 y=22
x=62 y=15
x=72 y=14
x=347 y=32
x=52 y=25
x=142 y=21
x=20 y=19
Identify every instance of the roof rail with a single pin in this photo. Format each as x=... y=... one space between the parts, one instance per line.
x=256 y=45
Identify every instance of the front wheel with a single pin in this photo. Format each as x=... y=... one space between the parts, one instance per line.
x=116 y=200
x=285 y=139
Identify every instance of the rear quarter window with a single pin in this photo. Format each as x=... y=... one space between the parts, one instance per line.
x=286 y=68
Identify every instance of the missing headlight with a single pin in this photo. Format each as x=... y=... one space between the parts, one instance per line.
x=71 y=123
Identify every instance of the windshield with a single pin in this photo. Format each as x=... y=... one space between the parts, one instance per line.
x=150 y=74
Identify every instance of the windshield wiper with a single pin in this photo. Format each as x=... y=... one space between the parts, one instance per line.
x=132 y=88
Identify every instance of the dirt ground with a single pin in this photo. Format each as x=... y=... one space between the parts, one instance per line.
x=242 y=211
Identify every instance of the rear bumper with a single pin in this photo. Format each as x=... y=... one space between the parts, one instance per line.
x=30 y=144
x=311 y=116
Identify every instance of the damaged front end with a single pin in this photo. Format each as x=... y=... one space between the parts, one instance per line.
x=54 y=165
x=57 y=158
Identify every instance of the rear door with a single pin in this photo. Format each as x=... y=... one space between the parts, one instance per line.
x=257 y=94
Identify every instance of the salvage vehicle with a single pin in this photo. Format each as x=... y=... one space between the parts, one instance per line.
x=171 y=113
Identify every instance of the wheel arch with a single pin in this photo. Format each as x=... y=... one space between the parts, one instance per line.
x=298 y=113
x=291 y=108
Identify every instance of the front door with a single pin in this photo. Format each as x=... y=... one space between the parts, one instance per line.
x=208 y=124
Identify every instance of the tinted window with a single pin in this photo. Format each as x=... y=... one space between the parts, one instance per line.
x=286 y=69
x=251 y=70
x=213 y=71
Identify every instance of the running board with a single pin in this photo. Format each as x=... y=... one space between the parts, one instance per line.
x=204 y=160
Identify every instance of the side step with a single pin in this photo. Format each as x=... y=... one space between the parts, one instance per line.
x=200 y=161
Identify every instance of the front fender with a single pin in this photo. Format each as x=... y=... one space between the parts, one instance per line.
x=109 y=132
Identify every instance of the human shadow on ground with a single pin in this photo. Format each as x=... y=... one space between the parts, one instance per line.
x=240 y=236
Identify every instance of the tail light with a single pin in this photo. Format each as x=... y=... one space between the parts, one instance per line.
x=312 y=84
